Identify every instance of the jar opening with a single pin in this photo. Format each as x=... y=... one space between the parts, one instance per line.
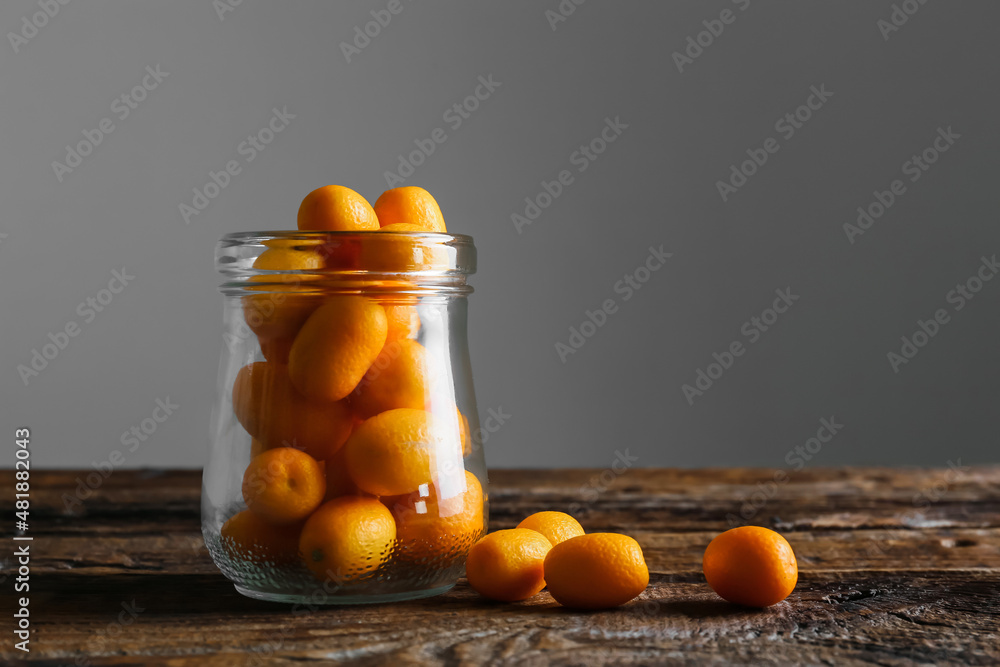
x=348 y=262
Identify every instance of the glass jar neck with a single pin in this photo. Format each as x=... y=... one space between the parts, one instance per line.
x=375 y=262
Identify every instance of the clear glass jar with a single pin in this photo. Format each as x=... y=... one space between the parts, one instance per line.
x=342 y=467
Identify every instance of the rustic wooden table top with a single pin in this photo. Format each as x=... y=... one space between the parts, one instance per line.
x=896 y=567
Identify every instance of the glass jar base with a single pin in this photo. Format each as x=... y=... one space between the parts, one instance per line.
x=334 y=600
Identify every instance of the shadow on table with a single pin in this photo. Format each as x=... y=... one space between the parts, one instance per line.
x=162 y=594
x=101 y=596
x=701 y=608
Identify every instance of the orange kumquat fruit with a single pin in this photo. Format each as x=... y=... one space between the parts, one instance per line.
x=396 y=451
x=508 y=565
x=409 y=205
x=596 y=571
x=334 y=208
x=273 y=412
x=555 y=526
x=336 y=346
x=245 y=536
x=347 y=538
x=439 y=521
x=751 y=566
x=283 y=485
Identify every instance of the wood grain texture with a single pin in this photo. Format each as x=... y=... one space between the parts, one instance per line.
x=897 y=567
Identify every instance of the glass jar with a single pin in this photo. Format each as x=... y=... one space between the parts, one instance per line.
x=342 y=468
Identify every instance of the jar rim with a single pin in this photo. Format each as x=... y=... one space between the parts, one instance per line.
x=424 y=260
x=312 y=234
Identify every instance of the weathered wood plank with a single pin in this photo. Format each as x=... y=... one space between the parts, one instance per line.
x=897 y=567
x=882 y=617
x=183 y=552
x=682 y=499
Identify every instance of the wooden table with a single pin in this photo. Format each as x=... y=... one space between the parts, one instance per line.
x=896 y=567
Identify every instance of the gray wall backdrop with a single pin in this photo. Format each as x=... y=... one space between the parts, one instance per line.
x=893 y=77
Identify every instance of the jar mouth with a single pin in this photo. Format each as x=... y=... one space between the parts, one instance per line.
x=347 y=262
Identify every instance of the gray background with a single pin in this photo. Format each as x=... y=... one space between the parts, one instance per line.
x=826 y=357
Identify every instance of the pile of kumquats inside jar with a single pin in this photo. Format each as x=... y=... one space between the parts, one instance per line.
x=349 y=417
x=344 y=441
